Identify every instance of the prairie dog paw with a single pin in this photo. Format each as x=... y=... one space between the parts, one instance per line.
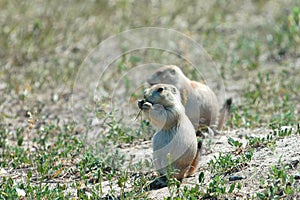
x=146 y=106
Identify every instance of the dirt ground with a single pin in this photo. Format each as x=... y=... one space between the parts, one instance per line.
x=286 y=150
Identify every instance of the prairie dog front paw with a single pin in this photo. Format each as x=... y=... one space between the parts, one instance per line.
x=146 y=106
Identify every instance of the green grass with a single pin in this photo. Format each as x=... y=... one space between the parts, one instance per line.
x=279 y=183
x=42 y=47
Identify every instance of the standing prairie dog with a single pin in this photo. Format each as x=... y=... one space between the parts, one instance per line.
x=175 y=141
x=201 y=105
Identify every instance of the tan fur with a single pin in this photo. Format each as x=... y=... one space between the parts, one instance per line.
x=175 y=141
x=194 y=84
x=200 y=101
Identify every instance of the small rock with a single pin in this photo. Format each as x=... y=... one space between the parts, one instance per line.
x=2 y=171
x=297 y=176
x=3 y=86
x=21 y=192
x=55 y=97
x=95 y=122
x=235 y=178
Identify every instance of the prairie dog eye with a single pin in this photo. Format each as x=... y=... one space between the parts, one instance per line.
x=160 y=89
x=173 y=71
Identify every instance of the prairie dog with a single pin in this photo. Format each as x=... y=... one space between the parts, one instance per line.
x=175 y=141
x=201 y=105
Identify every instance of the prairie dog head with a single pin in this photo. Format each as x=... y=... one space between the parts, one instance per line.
x=164 y=94
x=169 y=74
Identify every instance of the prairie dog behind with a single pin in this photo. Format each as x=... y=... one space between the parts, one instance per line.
x=201 y=105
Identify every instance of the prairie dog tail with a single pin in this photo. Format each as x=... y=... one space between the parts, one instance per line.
x=224 y=114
